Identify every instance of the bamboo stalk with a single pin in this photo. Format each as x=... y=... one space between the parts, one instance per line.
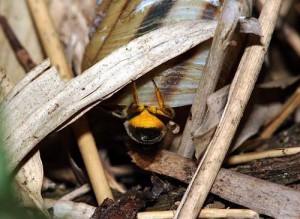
x=239 y=95
x=247 y=157
x=86 y=143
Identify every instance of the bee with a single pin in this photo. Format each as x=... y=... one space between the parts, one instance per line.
x=148 y=124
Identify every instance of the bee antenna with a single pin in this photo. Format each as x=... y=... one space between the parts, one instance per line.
x=159 y=95
x=136 y=98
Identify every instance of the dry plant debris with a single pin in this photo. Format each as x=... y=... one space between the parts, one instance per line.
x=211 y=63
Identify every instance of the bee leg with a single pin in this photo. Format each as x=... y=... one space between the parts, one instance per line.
x=121 y=114
x=136 y=99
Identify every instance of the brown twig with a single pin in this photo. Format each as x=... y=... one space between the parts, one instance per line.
x=239 y=95
x=21 y=53
x=86 y=142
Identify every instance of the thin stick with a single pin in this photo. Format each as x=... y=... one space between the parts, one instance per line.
x=239 y=95
x=20 y=52
x=287 y=109
x=77 y=192
x=247 y=157
x=86 y=142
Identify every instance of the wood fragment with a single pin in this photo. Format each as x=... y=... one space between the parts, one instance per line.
x=230 y=185
x=240 y=91
x=86 y=142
